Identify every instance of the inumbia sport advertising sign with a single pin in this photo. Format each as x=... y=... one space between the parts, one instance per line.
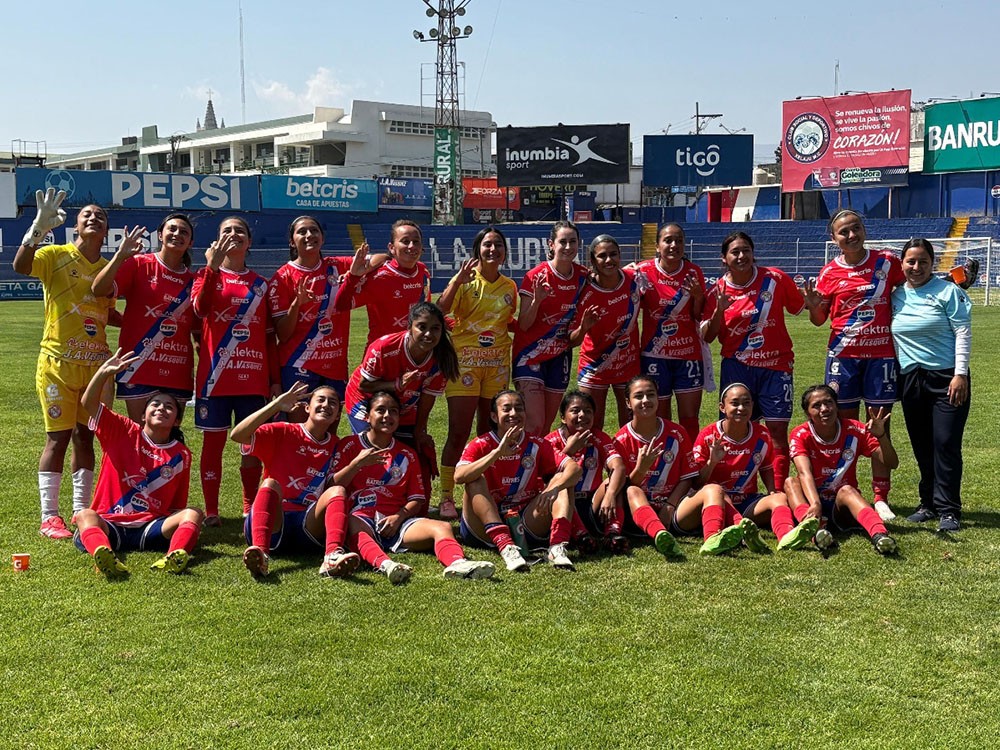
x=962 y=136
x=835 y=142
x=702 y=160
x=563 y=155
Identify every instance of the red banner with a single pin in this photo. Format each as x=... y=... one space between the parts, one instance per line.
x=484 y=193
x=859 y=140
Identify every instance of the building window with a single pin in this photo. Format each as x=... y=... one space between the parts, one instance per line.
x=403 y=127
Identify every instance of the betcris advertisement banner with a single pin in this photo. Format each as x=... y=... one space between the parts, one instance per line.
x=962 y=136
x=861 y=140
x=702 y=160
x=405 y=192
x=319 y=193
x=563 y=155
x=191 y=192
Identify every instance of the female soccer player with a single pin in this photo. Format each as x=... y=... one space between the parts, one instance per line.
x=673 y=299
x=287 y=514
x=747 y=314
x=825 y=451
x=482 y=302
x=607 y=324
x=73 y=346
x=234 y=369
x=381 y=479
x=158 y=320
x=512 y=472
x=142 y=491
x=732 y=453
x=541 y=354
x=853 y=290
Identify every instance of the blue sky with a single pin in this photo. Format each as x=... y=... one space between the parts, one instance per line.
x=82 y=75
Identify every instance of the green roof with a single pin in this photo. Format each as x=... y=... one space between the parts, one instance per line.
x=235 y=129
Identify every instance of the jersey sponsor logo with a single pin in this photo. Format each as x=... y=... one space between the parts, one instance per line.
x=168 y=327
x=241 y=332
x=365 y=499
x=325 y=326
x=52 y=391
x=487 y=338
x=90 y=327
x=755 y=340
x=670 y=329
x=865 y=313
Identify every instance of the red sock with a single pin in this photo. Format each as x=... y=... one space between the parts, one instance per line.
x=614 y=527
x=872 y=523
x=578 y=527
x=781 y=520
x=712 y=519
x=93 y=538
x=881 y=487
x=499 y=534
x=647 y=520
x=448 y=551
x=559 y=530
x=800 y=511
x=250 y=479
x=780 y=466
x=368 y=548
x=690 y=425
x=732 y=516
x=335 y=521
x=211 y=469
x=185 y=537
x=266 y=507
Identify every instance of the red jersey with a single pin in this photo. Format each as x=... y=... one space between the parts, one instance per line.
x=609 y=354
x=834 y=464
x=234 y=333
x=319 y=341
x=669 y=327
x=381 y=489
x=387 y=359
x=139 y=480
x=548 y=336
x=737 y=472
x=157 y=323
x=753 y=328
x=389 y=292
x=674 y=465
x=515 y=480
x=294 y=459
x=592 y=459
x=860 y=304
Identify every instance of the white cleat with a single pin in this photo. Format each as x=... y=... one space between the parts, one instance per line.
x=558 y=557
x=472 y=569
x=513 y=559
x=884 y=511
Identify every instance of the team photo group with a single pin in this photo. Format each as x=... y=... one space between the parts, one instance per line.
x=264 y=363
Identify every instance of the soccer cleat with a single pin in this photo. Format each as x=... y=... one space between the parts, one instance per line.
x=55 y=528
x=173 y=562
x=213 y=521
x=109 y=565
x=558 y=557
x=513 y=558
x=256 y=561
x=339 y=563
x=884 y=544
x=585 y=544
x=618 y=544
x=472 y=569
x=824 y=540
x=396 y=572
x=447 y=510
x=799 y=536
x=751 y=537
x=723 y=541
x=666 y=544
x=884 y=511
x=949 y=522
x=922 y=515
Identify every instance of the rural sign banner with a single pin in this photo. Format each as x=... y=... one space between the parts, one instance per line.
x=962 y=136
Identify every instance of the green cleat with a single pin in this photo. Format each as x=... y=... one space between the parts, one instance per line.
x=172 y=562
x=723 y=541
x=109 y=565
x=800 y=536
x=666 y=544
x=751 y=537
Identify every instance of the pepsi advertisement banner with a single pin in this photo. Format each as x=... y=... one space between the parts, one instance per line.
x=699 y=160
x=319 y=193
x=563 y=155
x=405 y=192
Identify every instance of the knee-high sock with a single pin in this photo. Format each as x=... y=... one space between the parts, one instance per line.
x=614 y=526
x=368 y=548
x=781 y=521
x=559 y=530
x=250 y=479
x=881 y=487
x=266 y=507
x=93 y=538
x=335 y=521
x=647 y=520
x=499 y=534
x=871 y=522
x=780 y=466
x=799 y=511
x=713 y=517
x=185 y=538
x=731 y=515
x=448 y=551
x=83 y=489
x=210 y=466
x=48 y=491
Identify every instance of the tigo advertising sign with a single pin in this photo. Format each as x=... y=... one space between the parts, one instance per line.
x=702 y=160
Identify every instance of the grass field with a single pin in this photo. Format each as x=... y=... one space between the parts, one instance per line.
x=786 y=650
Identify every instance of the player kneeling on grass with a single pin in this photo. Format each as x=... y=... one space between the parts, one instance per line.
x=286 y=515
x=521 y=476
x=825 y=451
x=732 y=453
x=141 y=498
x=382 y=479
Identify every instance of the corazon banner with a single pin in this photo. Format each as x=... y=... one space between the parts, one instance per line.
x=563 y=155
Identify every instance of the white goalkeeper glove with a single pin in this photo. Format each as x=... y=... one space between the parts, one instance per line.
x=50 y=215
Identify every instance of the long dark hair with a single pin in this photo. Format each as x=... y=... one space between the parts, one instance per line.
x=444 y=352
x=186 y=260
x=562 y=224
x=923 y=244
x=818 y=388
x=293 y=254
x=478 y=241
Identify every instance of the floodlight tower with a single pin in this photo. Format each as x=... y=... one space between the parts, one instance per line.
x=447 y=133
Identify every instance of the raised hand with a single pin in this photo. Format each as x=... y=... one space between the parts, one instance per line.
x=218 y=250
x=287 y=400
x=361 y=264
x=578 y=442
x=723 y=300
x=403 y=381
x=590 y=317
x=811 y=296
x=510 y=438
x=118 y=362
x=542 y=289
x=877 y=421
x=303 y=293
x=50 y=215
x=467 y=272
x=717 y=451
x=371 y=457
x=647 y=455
x=693 y=288
x=131 y=244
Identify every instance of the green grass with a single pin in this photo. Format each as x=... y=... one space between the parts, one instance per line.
x=786 y=650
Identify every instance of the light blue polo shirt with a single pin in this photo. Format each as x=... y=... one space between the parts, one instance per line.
x=924 y=322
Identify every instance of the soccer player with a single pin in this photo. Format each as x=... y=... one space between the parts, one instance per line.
x=288 y=514
x=747 y=314
x=541 y=354
x=511 y=472
x=732 y=453
x=158 y=320
x=854 y=291
x=607 y=325
x=381 y=479
x=673 y=299
x=142 y=491
x=482 y=302
x=73 y=346
x=825 y=451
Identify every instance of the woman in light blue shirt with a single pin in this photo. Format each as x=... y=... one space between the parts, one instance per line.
x=932 y=329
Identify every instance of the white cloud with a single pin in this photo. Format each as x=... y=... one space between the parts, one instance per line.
x=321 y=89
